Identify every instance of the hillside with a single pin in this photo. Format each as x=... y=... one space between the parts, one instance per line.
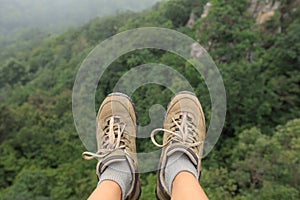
x=18 y=17
x=53 y=15
x=256 y=46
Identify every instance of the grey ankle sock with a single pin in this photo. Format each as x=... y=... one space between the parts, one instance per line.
x=120 y=173
x=176 y=163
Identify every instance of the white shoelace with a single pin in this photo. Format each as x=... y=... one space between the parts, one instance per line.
x=183 y=131
x=113 y=140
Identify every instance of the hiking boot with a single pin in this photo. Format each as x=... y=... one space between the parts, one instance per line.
x=184 y=132
x=116 y=132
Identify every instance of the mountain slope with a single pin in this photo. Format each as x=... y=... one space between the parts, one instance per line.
x=257 y=155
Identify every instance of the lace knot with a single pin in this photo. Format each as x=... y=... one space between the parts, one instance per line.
x=182 y=130
x=112 y=139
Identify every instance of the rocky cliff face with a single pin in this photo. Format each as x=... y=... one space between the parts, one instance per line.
x=263 y=10
x=191 y=21
x=206 y=10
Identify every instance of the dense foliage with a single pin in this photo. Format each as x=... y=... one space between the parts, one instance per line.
x=257 y=156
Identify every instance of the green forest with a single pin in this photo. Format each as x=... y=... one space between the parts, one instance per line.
x=256 y=46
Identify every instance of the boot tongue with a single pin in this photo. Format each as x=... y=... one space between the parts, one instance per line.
x=184 y=150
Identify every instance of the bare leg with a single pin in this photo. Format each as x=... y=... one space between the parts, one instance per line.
x=186 y=186
x=108 y=190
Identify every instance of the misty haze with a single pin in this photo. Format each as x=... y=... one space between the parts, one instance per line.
x=19 y=17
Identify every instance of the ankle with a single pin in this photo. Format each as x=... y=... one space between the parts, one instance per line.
x=182 y=177
x=118 y=173
x=176 y=164
x=186 y=186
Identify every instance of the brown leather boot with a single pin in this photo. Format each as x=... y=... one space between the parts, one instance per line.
x=116 y=133
x=184 y=131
